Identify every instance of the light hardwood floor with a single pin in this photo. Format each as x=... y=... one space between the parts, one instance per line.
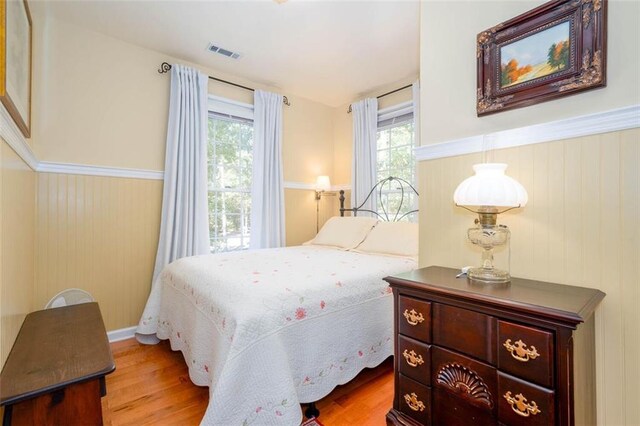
x=151 y=386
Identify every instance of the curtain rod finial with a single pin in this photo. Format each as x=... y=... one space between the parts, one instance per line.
x=165 y=67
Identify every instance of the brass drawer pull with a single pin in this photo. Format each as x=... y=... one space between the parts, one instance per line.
x=520 y=406
x=412 y=358
x=413 y=317
x=519 y=350
x=413 y=402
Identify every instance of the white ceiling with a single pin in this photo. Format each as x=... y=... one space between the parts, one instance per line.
x=328 y=51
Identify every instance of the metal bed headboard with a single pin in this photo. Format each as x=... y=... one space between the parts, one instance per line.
x=380 y=185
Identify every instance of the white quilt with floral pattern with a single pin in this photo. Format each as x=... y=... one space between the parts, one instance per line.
x=269 y=329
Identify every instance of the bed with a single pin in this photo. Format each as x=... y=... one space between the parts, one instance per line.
x=268 y=330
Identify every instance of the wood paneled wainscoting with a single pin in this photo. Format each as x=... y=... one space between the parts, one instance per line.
x=100 y=234
x=580 y=227
x=151 y=386
x=17 y=227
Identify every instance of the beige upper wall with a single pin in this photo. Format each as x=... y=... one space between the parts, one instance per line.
x=307 y=141
x=448 y=69
x=101 y=101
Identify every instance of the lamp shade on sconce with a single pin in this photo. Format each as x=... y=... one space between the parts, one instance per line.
x=323 y=183
x=490 y=186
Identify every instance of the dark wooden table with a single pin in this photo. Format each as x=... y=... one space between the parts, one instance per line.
x=55 y=372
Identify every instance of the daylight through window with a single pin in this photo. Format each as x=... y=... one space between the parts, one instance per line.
x=230 y=169
x=395 y=158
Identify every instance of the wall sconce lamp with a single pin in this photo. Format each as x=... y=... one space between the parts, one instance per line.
x=323 y=186
x=485 y=193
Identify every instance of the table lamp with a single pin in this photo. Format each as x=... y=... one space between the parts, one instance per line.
x=488 y=193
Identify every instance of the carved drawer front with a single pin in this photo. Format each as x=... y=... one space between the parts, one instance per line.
x=414 y=318
x=414 y=359
x=464 y=390
x=469 y=332
x=524 y=403
x=526 y=352
x=414 y=400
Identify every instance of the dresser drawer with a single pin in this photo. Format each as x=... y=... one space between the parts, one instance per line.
x=526 y=352
x=464 y=390
x=524 y=403
x=414 y=400
x=414 y=359
x=449 y=410
x=468 y=332
x=469 y=380
x=414 y=318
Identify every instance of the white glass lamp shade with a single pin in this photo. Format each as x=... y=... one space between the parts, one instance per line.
x=323 y=183
x=490 y=186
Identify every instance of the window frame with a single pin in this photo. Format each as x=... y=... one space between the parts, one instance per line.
x=389 y=118
x=222 y=108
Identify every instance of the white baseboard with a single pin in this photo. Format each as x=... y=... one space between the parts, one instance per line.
x=121 y=334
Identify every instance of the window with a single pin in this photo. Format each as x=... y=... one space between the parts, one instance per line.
x=395 y=158
x=230 y=168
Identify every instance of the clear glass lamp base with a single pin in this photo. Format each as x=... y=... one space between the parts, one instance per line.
x=488 y=275
x=488 y=237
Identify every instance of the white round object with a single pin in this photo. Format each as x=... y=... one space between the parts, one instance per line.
x=70 y=296
x=490 y=186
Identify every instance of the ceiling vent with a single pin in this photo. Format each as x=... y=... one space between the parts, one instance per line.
x=222 y=51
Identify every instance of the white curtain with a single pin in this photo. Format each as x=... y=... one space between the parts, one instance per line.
x=267 y=189
x=364 y=165
x=184 y=227
x=415 y=90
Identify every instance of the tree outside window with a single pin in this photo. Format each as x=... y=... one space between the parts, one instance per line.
x=395 y=158
x=230 y=147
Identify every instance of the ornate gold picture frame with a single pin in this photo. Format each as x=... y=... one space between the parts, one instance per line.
x=554 y=50
x=15 y=62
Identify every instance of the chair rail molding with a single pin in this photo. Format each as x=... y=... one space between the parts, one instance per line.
x=312 y=186
x=14 y=138
x=84 y=169
x=584 y=125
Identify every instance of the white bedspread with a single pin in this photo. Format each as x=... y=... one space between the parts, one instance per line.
x=269 y=329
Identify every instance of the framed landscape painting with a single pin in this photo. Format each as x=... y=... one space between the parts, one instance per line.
x=554 y=50
x=15 y=62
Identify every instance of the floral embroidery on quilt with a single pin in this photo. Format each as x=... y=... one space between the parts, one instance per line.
x=301 y=313
x=310 y=379
x=274 y=303
x=271 y=409
x=222 y=320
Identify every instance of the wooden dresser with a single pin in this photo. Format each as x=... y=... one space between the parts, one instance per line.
x=486 y=354
x=55 y=372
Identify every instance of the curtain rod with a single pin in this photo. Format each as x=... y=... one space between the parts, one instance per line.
x=165 y=67
x=385 y=94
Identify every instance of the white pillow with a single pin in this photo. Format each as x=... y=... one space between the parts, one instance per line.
x=392 y=238
x=344 y=232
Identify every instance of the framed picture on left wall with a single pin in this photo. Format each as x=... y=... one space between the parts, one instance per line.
x=15 y=62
